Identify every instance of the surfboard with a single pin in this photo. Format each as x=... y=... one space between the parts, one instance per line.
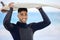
x=30 y=5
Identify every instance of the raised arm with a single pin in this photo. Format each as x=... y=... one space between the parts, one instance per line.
x=43 y=24
x=44 y=16
x=7 y=20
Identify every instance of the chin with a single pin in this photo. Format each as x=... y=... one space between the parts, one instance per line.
x=23 y=22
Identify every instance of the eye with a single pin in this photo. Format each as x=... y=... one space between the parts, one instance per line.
x=21 y=14
x=25 y=14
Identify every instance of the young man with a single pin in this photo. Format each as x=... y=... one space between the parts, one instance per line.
x=21 y=30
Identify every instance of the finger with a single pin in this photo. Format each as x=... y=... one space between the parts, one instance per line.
x=3 y=10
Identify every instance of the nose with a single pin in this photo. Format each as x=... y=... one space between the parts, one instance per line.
x=24 y=17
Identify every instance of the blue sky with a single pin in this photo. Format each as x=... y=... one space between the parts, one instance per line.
x=51 y=32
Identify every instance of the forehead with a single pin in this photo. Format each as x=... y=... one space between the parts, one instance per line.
x=22 y=12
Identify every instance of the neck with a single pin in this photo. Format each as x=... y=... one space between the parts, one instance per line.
x=20 y=24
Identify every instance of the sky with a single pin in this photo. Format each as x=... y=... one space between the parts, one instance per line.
x=51 y=32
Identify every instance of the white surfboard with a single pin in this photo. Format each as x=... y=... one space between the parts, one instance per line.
x=31 y=5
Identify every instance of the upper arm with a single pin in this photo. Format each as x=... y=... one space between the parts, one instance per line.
x=39 y=25
x=8 y=26
x=7 y=20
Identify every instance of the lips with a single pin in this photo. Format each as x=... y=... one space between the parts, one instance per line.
x=24 y=20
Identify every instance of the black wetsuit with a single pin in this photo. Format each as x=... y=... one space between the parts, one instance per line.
x=23 y=31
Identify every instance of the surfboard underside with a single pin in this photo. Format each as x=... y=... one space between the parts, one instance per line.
x=31 y=5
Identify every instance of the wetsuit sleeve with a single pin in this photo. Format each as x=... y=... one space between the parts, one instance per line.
x=6 y=22
x=43 y=24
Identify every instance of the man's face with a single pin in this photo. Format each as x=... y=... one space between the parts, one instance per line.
x=22 y=16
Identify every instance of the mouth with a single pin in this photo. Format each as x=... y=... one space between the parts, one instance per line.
x=23 y=20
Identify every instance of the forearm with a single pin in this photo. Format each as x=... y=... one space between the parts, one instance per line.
x=7 y=18
x=44 y=16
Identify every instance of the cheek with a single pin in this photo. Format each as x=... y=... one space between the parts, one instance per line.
x=19 y=17
x=26 y=17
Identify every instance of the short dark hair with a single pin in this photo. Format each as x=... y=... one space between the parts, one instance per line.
x=22 y=9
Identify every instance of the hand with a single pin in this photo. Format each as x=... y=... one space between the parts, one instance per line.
x=11 y=5
x=39 y=7
x=3 y=10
